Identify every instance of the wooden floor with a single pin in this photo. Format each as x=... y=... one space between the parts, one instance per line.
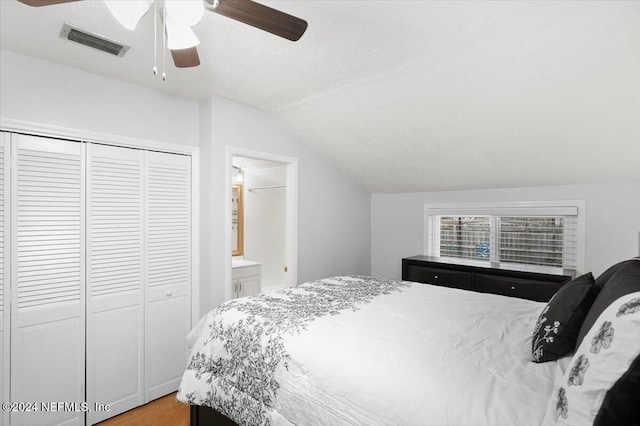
x=165 y=411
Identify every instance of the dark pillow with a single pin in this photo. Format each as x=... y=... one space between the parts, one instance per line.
x=606 y=275
x=557 y=328
x=622 y=278
x=620 y=403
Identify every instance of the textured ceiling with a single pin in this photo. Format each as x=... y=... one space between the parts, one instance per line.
x=405 y=95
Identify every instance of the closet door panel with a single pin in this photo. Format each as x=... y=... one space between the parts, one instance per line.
x=4 y=272
x=115 y=223
x=47 y=277
x=115 y=376
x=168 y=270
x=167 y=349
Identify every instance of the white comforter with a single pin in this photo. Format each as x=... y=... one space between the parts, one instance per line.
x=365 y=351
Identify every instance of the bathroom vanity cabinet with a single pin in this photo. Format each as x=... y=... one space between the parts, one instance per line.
x=245 y=278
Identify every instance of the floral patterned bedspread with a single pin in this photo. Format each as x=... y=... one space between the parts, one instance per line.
x=356 y=350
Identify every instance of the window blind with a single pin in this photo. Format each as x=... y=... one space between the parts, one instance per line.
x=531 y=240
x=466 y=237
x=544 y=234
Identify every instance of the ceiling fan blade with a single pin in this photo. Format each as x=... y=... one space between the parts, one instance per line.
x=38 y=3
x=185 y=58
x=260 y=16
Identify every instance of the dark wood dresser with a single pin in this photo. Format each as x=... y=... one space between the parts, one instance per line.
x=489 y=278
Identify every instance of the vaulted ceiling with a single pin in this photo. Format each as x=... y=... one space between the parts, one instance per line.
x=404 y=95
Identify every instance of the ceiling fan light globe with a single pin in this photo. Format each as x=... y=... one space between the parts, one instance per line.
x=185 y=12
x=128 y=12
x=180 y=36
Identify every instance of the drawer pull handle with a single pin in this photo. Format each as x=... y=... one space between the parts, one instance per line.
x=436 y=277
x=169 y=293
x=513 y=288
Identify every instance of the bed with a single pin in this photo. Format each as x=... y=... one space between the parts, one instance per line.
x=356 y=350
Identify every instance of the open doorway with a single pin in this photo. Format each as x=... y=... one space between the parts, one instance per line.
x=262 y=205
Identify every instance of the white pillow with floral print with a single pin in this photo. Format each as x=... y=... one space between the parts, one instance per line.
x=608 y=352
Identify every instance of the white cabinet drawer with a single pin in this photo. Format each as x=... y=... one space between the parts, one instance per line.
x=246 y=271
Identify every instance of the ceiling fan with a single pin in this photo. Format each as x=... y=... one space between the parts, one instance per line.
x=179 y=16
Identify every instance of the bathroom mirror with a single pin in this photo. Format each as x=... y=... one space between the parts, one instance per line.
x=237 y=237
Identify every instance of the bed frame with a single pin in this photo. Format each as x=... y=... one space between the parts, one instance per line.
x=207 y=416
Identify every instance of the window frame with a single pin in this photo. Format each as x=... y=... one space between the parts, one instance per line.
x=565 y=208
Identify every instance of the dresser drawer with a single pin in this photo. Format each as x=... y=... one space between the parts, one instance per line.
x=540 y=291
x=441 y=277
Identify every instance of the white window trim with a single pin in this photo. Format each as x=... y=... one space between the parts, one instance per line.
x=515 y=208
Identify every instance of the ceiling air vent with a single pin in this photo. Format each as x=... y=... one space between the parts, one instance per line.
x=93 y=40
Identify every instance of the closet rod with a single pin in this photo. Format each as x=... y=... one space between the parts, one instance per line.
x=267 y=187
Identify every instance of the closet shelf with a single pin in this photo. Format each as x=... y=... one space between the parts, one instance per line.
x=267 y=187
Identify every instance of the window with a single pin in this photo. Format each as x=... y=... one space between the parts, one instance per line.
x=543 y=236
x=466 y=237
x=532 y=240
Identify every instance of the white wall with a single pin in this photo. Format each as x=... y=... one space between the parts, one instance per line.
x=265 y=224
x=208 y=206
x=334 y=218
x=42 y=92
x=396 y=231
x=612 y=220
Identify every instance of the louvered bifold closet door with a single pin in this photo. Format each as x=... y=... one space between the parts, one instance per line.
x=115 y=225
x=4 y=273
x=47 y=278
x=168 y=270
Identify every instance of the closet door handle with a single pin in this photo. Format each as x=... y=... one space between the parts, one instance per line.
x=240 y=283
